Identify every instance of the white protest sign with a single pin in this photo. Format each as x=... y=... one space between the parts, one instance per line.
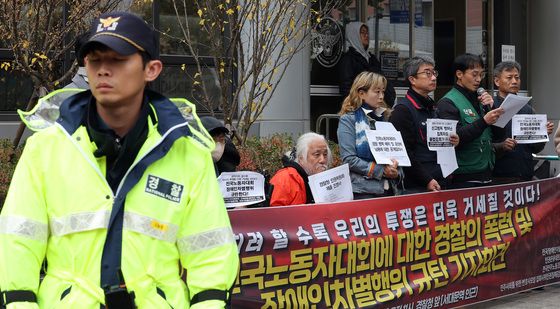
x=333 y=185
x=386 y=145
x=528 y=129
x=438 y=132
x=241 y=188
x=511 y=105
x=447 y=161
x=384 y=125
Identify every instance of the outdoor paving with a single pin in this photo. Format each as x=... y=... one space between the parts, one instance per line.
x=549 y=298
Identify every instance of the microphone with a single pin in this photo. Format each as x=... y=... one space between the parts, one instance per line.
x=480 y=91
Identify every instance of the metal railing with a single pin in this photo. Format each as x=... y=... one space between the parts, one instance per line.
x=327 y=118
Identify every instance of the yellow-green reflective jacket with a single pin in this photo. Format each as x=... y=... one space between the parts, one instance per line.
x=60 y=206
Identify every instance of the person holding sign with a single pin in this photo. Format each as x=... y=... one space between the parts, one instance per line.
x=291 y=184
x=410 y=116
x=360 y=111
x=475 y=155
x=517 y=164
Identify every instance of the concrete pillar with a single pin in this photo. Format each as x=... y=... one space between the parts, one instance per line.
x=544 y=62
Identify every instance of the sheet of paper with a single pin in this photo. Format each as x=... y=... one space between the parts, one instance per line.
x=333 y=185
x=529 y=129
x=384 y=125
x=241 y=188
x=386 y=145
x=511 y=105
x=438 y=132
x=447 y=161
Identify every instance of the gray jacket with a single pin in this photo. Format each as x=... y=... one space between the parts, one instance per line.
x=359 y=168
x=79 y=80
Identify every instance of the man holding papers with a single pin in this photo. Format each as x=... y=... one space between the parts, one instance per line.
x=410 y=116
x=515 y=165
x=291 y=183
x=475 y=155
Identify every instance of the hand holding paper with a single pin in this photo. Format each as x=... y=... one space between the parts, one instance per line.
x=511 y=105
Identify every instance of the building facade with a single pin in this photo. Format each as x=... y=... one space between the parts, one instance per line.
x=522 y=30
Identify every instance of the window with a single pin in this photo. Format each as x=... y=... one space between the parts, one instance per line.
x=175 y=83
x=15 y=89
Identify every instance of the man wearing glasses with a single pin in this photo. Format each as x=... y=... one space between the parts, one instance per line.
x=409 y=117
x=475 y=155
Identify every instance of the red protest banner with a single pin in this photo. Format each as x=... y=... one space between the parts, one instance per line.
x=430 y=250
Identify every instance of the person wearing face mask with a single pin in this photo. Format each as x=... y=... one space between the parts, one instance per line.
x=358 y=59
x=310 y=156
x=360 y=111
x=225 y=155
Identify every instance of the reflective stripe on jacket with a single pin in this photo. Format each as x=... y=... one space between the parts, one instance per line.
x=59 y=207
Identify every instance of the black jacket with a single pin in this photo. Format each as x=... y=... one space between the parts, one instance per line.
x=424 y=166
x=352 y=64
x=518 y=162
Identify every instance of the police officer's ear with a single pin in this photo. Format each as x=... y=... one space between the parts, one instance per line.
x=152 y=70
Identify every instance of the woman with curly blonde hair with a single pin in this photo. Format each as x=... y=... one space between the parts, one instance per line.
x=361 y=109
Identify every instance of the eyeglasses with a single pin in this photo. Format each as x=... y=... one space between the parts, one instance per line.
x=477 y=74
x=429 y=73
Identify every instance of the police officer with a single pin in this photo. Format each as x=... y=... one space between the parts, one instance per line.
x=117 y=195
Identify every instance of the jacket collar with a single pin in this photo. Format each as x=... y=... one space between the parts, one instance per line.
x=290 y=163
x=73 y=110
x=470 y=95
x=419 y=101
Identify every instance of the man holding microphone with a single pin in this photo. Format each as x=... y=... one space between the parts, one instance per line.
x=472 y=109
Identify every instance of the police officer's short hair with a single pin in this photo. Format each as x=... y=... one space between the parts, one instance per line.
x=412 y=65
x=80 y=40
x=506 y=66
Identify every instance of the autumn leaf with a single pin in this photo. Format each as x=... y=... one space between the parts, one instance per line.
x=230 y=11
x=199 y=12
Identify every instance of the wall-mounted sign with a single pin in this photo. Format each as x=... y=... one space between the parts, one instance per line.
x=399 y=12
x=327 y=43
x=389 y=63
x=508 y=52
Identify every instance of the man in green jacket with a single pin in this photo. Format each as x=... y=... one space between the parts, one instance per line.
x=117 y=195
x=472 y=108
